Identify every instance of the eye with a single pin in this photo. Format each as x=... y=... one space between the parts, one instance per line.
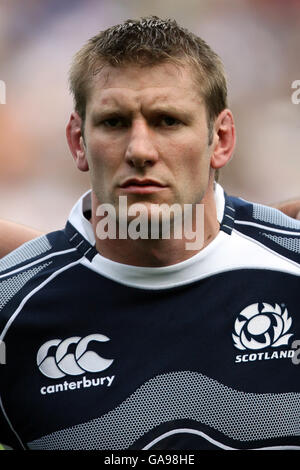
x=169 y=121
x=114 y=122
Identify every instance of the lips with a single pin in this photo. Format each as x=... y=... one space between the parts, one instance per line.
x=143 y=182
x=141 y=186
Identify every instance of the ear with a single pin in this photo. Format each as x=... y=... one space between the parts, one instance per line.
x=223 y=139
x=76 y=142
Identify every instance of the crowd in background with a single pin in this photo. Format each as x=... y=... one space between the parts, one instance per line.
x=258 y=41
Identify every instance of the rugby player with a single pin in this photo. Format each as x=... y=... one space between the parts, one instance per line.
x=137 y=342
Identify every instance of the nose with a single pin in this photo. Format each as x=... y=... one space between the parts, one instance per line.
x=141 y=150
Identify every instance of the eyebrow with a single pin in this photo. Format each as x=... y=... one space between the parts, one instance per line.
x=105 y=112
x=111 y=111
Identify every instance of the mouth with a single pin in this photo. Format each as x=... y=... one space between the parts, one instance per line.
x=142 y=186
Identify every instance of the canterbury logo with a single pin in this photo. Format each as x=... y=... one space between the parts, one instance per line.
x=64 y=363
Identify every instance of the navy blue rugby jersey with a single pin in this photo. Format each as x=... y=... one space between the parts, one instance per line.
x=202 y=354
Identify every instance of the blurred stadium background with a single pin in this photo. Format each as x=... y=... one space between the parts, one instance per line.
x=258 y=41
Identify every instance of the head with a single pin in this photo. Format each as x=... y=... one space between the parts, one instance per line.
x=132 y=68
x=146 y=42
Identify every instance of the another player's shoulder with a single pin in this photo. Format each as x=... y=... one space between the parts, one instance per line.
x=36 y=254
x=267 y=226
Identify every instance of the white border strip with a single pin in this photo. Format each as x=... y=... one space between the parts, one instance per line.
x=253 y=224
x=187 y=431
x=57 y=253
x=212 y=441
x=271 y=251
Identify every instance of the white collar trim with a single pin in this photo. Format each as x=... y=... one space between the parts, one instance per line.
x=136 y=276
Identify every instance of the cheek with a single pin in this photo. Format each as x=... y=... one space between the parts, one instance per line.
x=191 y=159
x=102 y=156
x=192 y=174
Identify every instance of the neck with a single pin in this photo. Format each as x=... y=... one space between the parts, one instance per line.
x=162 y=252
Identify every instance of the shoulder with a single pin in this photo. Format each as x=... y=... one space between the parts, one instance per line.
x=36 y=251
x=33 y=264
x=29 y=251
x=28 y=270
x=266 y=226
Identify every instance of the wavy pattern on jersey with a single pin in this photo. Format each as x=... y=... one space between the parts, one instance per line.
x=183 y=395
x=292 y=244
x=274 y=217
x=29 y=250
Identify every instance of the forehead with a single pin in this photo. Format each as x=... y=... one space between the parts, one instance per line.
x=163 y=83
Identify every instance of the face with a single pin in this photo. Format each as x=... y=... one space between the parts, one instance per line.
x=146 y=136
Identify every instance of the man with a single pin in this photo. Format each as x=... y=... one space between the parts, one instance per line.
x=152 y=342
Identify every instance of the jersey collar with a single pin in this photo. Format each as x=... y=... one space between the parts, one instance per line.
x=80 y=231
x=83 y=205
